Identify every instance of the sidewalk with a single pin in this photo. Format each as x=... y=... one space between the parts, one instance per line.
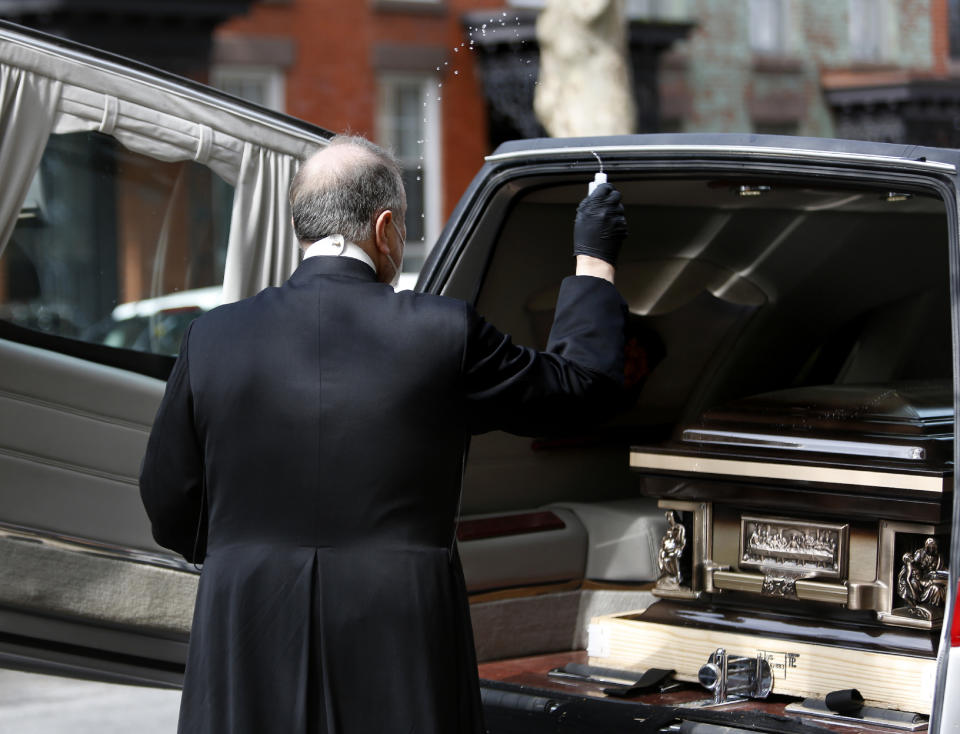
x=40 y=704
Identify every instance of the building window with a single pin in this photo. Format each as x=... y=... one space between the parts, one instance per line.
x=408 y=122
x=656 y=9
x=262 y=85
x=768 y=26
x=870 y=30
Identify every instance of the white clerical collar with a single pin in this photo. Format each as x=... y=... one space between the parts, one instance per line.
x=336 y=245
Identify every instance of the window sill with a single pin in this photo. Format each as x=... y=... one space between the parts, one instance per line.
x=772 y=63
x=409 y=7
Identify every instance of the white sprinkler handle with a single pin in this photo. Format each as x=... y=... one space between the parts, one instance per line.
x=599 y=178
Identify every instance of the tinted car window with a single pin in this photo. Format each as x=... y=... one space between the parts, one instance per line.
x=115 y=248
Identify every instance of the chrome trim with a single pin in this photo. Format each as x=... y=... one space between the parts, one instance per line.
x=734 y=677
x=95 y=548
x=729 y=150
x=805 y=443
x=889 y=718
x=822 y=591
x=865 y=595
x=751 y=583
x=792 y=472
x=805 y=590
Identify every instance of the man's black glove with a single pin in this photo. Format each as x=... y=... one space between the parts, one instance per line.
x=600 y=226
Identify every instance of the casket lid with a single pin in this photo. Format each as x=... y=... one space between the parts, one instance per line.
x=910 y=422
x=871 y=451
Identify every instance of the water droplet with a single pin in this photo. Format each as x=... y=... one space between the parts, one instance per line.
x=418 y=178
x=456 y=49
x=504 y=13
x=439 y=85
x=456 y=72
x=446 y=63
x=438 y=99
x=438 y=68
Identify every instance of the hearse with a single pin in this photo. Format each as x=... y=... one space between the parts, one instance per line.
x=761 y=539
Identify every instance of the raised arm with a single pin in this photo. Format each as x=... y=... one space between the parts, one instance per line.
x=577 y=379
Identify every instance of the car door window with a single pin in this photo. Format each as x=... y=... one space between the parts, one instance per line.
x=129 y=199
x=116 y=248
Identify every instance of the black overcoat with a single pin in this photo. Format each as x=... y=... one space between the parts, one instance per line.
x=309 y=450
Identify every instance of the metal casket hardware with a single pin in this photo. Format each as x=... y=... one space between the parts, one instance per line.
x=730 y=677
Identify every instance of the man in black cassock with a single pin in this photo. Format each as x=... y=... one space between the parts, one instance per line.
x=309 y=451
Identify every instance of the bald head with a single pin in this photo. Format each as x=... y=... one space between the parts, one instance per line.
x=342 y=188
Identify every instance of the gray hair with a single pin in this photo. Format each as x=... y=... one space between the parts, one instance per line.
x=342 y=194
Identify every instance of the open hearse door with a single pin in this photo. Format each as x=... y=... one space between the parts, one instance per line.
x=132 y=201
x=766 y=530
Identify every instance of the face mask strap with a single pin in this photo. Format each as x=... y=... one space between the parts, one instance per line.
x=396 y=268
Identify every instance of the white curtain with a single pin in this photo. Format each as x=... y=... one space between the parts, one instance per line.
x=28 y=106
x=44 y=92
x=154 y=132
x=262 y=250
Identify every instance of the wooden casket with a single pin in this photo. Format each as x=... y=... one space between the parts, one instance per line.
x=809 y=528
